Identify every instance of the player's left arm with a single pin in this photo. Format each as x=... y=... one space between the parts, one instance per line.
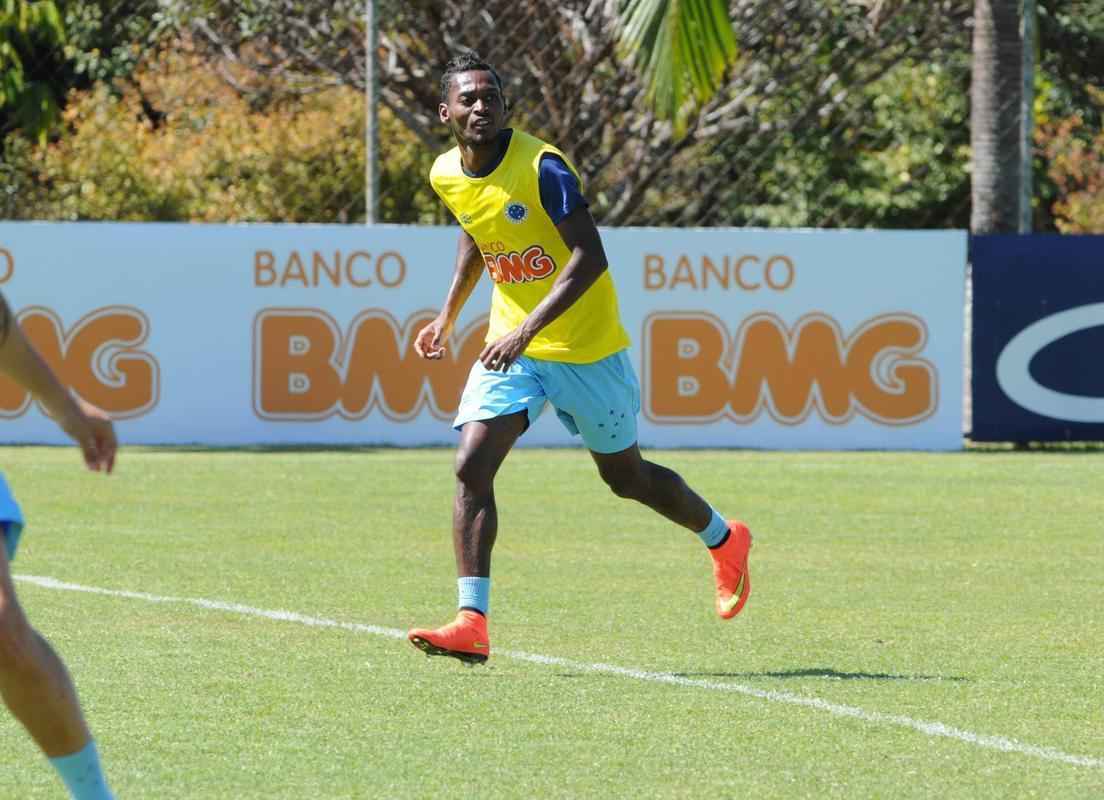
x=583 y=268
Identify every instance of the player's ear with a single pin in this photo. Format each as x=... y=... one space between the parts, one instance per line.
x=442 y=112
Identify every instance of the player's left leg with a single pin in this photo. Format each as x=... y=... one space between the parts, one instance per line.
x=630 y=476
x=37 y=689
x=600 y=401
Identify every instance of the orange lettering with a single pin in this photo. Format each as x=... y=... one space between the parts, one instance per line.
x=693 y=373
x=684 y=273
x=492 y=266
x=788 y=266
x=538 y=264
x=654 y=276
x=384 y=368
x=709 y=267
x=305 y=369
x=514 y=267
x=683 y=371
x=294 y=354
x=294 y=271
x=400 y=274
x=511 y=269
x=791 y=371
x=906 y=390
x=264 y=268
x=99 y=359
x=353 y=281
x=738 y=270
x=320 y=267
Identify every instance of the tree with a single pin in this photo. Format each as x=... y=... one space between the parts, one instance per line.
x=68 y=45
x=26 y=29
x=995 y=116
x=683 y=49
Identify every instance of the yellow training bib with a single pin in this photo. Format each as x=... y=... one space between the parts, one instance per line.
x=524 y=253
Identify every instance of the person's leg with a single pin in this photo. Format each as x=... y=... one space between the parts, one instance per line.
x=630 y=476
x=600 y=402
x=484 y=445
x=38 y=691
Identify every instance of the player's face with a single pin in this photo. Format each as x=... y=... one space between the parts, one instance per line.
x=476 y=109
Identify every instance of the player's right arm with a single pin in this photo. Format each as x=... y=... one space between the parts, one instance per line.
x=90 y=427
x=429 y=343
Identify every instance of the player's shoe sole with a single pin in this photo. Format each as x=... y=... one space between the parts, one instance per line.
x=430 y=649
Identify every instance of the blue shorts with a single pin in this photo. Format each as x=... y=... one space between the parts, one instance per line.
x=11 y=519
x=598 y=401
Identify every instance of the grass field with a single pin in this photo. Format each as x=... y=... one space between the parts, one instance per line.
x=921 y=626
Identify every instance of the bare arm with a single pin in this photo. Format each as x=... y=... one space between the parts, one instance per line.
x=583 y=268
x=469 y=268
x=90 y=427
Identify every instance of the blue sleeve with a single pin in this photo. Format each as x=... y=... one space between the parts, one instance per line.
x=559 y=188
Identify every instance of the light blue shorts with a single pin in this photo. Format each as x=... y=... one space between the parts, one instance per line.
x=11 y=519
x=598 y=401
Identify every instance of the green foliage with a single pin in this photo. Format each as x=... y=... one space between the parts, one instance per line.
x=107 y=40
x=178 y=143
x=893 y=156
x=1073 y=149
x=815 y=122
x=26 y=30
x=684 y=48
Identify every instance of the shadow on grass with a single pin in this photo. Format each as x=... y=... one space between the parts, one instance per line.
x=1027 y=448
x=822 y=672
x=811 y=672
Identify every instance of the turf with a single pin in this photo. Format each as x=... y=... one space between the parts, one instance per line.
x=961 y=589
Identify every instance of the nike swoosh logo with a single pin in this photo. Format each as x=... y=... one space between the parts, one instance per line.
x=730 y=603
x=479 y=644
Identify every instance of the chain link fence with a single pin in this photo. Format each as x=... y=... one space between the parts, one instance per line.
x=839 y=113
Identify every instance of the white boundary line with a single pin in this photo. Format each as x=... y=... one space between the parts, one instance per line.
x=835 y=709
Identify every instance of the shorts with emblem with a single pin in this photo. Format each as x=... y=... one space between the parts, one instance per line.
x=11 y=519
x=598 y=401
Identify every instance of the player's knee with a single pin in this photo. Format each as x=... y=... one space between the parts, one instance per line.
x=16 y=638
x=627 y=485
x=472 y=473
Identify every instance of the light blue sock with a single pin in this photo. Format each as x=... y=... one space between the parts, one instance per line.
x=715 y=531
x=83 y=775
x=474 y=593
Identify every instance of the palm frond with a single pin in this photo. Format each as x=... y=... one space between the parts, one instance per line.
x=683 y=48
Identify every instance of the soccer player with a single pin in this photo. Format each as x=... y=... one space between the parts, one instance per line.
x=34 y=683
x=555 y=336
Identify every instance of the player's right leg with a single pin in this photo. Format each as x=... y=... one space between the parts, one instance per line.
x=496 y=408
x=38 y=691
x=483 y=447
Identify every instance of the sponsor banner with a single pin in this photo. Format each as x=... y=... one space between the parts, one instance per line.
x=266 y=334
x=1038 y=335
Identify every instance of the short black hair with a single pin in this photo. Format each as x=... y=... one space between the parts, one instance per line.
x=465 y=62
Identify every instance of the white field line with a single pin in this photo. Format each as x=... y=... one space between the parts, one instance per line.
x=835 y=709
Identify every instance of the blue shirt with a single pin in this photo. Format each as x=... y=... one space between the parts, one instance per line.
x=559 y=188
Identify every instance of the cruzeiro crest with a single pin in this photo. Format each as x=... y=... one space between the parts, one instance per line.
x=516 y=212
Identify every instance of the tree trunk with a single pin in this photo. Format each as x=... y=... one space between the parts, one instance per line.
x=995 y=116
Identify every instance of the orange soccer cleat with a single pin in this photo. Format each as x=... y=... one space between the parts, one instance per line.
x=465 y=638
x=730 y=570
